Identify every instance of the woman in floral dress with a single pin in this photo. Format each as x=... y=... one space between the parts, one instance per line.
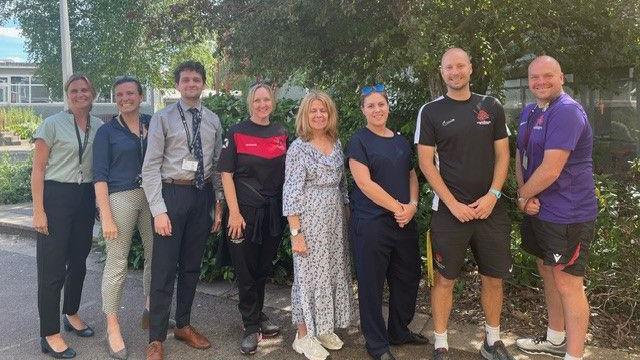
x=315 y=201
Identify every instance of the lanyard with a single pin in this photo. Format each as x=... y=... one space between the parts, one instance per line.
x=527 y=132
x=140 y=137
x=81 y=147
x=190 y=142
x=531 y=125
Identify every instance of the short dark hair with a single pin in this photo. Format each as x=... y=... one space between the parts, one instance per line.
x=127 y=79
x=190 y=65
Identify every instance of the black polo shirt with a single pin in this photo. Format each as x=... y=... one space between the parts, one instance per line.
x=463 y=133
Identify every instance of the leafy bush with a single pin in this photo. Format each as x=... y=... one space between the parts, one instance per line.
x=20 y=120
x=613 y=283
x=15 y=183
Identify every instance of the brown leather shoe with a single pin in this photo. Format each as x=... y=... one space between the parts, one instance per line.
x=154 y=351
x=191 y=337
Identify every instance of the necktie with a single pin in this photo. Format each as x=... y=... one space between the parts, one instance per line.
x=196 y=117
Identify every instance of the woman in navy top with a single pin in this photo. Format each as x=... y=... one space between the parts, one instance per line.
x=383 y=231
x=118 y=154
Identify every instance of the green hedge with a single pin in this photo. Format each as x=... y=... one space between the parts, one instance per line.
x=612 y=283
x=15 y=180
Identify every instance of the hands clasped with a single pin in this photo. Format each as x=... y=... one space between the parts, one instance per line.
x=478 y=210
x=404 y=214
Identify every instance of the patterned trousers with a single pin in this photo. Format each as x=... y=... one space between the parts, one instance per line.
x=130 y=210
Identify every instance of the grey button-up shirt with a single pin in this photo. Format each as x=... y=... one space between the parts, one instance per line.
x=167 y=147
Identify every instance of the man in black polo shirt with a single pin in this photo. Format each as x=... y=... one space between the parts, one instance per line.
x=463 y=151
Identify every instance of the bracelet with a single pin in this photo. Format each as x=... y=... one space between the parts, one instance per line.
x=521 y=199
x=414 y=203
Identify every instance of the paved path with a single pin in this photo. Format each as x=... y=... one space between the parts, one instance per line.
x=214 y=312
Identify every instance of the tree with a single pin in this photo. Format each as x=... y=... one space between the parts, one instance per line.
x=355 y=41
x=108 y=38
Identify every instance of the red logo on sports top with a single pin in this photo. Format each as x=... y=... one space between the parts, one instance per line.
x=267 y=148
x=438 y=257
x=483 y=116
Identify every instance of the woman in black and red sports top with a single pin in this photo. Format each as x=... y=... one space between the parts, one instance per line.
x=252 y=167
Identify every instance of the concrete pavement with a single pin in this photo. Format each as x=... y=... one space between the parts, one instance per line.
x=214 y=313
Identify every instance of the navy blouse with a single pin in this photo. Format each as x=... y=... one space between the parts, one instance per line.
x=118 y=156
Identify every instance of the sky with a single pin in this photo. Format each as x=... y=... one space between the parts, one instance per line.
x=12 y=42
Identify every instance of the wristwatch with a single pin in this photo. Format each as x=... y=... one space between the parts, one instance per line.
x=495 y=192
x=294 y=232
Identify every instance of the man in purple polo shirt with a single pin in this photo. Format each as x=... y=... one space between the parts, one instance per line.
x=554 y=170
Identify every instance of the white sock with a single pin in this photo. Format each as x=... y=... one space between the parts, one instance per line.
x=555 y=337
x=569 y=357
x=440 y=340
x=492 y=334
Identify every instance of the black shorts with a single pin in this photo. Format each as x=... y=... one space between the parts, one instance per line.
x=563 y=245
x=490 y=242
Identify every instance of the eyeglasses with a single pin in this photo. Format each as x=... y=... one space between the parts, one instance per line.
x=370 y=89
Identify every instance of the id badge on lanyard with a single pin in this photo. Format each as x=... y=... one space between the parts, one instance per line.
x=189 y=163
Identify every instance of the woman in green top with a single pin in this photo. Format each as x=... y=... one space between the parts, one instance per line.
x=63 y=213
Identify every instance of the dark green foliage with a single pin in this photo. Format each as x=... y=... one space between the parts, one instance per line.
x=15 y=180
x=613 y=282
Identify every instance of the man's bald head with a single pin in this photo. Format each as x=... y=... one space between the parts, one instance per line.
x=545 y=79
x=546 y=60
x=455 y=51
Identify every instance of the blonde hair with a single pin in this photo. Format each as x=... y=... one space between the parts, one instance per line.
x=76 y=77
x=251 y=95
x=303 y=129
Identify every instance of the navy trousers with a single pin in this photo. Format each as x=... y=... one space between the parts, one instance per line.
x=189 y=210
x=383 y=250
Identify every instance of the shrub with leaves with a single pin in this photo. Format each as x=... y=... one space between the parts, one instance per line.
x=15 y=180
x=20 y=120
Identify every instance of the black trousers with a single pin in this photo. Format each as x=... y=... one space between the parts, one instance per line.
x=384 y=250
x=253 y=264
x=189 y=210
x=62 y=255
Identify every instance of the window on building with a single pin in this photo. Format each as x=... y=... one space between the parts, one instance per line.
x=4 y=90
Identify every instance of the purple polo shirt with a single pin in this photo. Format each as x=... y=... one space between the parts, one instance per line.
x=571 y=198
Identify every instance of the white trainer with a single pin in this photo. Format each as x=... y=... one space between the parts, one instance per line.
x=542 y=346
x=310 y=347
x=330 y=341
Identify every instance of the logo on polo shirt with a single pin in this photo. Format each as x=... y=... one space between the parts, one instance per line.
x=539 y=122
x=225 y=144
x=557 y=257
x=445 y=122
x=483 y=117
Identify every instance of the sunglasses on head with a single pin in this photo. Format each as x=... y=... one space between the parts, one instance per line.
x=371 y=89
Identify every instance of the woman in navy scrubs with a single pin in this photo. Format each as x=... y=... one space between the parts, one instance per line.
x=383 y=231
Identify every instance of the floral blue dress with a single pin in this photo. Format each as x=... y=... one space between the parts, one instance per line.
x=315 y=190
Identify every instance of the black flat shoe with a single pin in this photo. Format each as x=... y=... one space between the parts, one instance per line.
x=86 y=332
x=69 y=353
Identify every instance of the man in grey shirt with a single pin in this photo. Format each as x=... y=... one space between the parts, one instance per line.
x=181 y=185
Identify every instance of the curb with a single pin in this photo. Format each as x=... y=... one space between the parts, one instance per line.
x=18 y=229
